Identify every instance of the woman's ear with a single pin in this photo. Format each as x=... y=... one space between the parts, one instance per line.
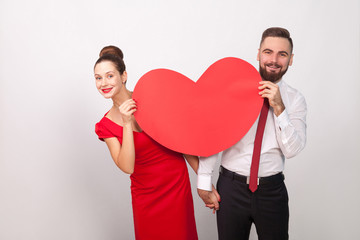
x=124 y=77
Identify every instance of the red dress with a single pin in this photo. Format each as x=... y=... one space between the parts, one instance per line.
x=161 y=194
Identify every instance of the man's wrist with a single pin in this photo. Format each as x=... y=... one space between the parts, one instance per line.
x=283 y=120
x=279 y=109
x=204 y=182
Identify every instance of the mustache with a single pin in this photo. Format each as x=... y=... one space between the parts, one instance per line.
x=273 y=65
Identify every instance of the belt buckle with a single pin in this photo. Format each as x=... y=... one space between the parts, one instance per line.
x=248 y=180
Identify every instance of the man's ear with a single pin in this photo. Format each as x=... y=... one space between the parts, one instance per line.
x=291 y=59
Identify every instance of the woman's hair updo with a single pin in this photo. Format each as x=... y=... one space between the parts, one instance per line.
x=114 y=55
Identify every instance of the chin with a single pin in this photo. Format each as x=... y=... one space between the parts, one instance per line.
x=107 y=96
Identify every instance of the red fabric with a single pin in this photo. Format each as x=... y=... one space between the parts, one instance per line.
x=257 y=146
x=160 y=188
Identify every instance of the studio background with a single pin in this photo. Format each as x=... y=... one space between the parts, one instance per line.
x=57 y=180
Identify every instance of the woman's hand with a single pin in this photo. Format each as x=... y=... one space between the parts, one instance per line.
x=127 y=109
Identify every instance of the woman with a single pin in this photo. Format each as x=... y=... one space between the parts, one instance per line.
x=160 y=188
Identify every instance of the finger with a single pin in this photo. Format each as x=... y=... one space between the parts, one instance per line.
x=262 y=87
x=266 y=91
x=129 y=107
x=217 y=195
x=126 y=102
x=216 y=203
x=215 y=192
x=129 y=100
x=214 y=200
x=131 y=112
x=129 y=103
x=265 y=87
x=265 y=95
x=127 y=112
x=268 y=85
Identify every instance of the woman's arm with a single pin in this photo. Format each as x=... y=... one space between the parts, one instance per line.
x=193 y=162
x=124 y=154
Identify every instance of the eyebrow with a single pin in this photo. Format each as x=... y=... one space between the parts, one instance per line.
x=268 y=49
x=105 y=73
x=284 y=52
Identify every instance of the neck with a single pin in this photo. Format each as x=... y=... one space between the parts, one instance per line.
x=121 y=97
x=277 y=81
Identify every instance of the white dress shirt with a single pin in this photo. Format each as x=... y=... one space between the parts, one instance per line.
x=284 y=137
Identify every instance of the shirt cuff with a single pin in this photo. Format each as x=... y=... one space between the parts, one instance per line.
x=204 y=182
x=283 y=119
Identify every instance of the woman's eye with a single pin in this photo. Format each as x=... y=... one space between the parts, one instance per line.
x=98 y=78
x=110 y=76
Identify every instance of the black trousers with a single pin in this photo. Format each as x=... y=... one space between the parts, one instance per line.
x=267 y=208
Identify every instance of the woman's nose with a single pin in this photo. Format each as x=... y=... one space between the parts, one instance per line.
x=103 y=82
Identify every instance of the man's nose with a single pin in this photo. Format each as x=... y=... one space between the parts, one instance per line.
x=274 y=58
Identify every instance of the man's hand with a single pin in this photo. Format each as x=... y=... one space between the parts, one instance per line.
x=211 y=199
x=272 y=93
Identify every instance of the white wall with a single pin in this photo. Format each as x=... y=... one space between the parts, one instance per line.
x=57 y=180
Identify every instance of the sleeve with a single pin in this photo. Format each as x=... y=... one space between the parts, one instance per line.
x=291 y=128
x=102 y=131
x=206 y=168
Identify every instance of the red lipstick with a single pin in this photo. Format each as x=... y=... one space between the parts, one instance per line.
x=106 y=90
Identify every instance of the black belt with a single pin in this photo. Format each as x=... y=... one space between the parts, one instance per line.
x=261 y=181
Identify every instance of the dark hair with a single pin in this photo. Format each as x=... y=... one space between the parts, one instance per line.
x=277 y=32
x=114 y=55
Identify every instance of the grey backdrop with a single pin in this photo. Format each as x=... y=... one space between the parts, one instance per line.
x=57 y=181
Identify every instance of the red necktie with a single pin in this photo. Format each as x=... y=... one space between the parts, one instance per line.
x=253 y=183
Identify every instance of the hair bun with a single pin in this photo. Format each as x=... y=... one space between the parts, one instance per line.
x=111 y=50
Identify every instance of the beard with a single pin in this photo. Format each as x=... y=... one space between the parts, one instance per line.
x=270 y=76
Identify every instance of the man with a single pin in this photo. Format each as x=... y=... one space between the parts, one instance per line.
x=284 y=136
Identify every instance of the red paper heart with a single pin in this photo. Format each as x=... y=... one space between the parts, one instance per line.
x=201 y=118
